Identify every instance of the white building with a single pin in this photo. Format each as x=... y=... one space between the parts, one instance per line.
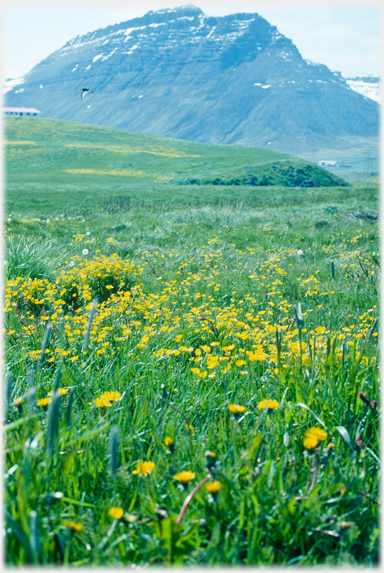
x=332 y=163
x=19 y=111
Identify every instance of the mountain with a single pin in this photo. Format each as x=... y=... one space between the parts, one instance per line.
x=368 y=86
x=183 y=74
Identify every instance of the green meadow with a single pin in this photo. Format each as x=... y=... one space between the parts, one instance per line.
x=191 y=354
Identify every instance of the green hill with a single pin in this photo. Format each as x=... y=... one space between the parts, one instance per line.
x=65 y=159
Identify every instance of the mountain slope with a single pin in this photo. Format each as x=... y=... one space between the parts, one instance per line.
x=183 y=74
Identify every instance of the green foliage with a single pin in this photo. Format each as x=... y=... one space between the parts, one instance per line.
x=125 y=400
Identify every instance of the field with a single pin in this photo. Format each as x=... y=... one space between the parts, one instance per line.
x=192 y=370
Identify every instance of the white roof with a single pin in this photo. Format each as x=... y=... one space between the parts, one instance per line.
x=21 y=109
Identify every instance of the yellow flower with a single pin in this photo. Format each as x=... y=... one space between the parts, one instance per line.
x=116 y=396
x=184 y=477
x=270 y=404
x=73 y=525
x=18 y=401
x=101 y=402
x=313 y=437
x=116 y=512
x=236 y=409
x=168 y=441
x=213 y=487
x=61 y=391
x=44 y=401
x=144 y=468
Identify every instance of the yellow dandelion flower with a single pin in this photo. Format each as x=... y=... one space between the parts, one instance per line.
x=168 y=441
x=43 y=402
x=102 y=402
x=270 y=404
x=74 y=525
x=313 y=437
x=116 y=512
x=213 y=487
x=18 y=401
x=61 y=391
x=113 y=396
x=143 y=468
x=184 y=477
x=236 y=409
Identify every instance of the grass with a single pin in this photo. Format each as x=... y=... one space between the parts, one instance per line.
x=226 y=295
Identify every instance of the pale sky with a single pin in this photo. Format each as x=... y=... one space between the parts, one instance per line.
x=343 y=35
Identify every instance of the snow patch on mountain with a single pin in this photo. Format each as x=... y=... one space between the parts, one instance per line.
x=369 y=86
x=10 y=83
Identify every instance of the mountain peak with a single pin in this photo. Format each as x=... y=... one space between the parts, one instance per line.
x=180 y=73
x=187 y=9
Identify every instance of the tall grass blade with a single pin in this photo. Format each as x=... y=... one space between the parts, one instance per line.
x=113 y=450
x=34 y=535
x=22 y=537
x=53 y=423
x=57 y=378
x=298 y=316
x=91 y=314
x=372 y=329
x=7 y=392
x=68 y=411
x=44 y=345
x=344 y=433
x=31 y=400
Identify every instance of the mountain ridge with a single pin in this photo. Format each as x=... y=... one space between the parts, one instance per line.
x=181 y=73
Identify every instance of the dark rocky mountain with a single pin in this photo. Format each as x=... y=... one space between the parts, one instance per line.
x=183 y=74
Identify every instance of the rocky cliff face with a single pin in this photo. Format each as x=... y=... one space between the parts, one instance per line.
x=183 y=74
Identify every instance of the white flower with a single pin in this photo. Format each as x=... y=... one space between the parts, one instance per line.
x=72 y=264
x=9 y=220
x=299 y=252
x=88 y=233
x=47 y=221
x=84 y=252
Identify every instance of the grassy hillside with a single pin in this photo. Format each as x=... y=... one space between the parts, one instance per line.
x=233 y=346
x=96 y=160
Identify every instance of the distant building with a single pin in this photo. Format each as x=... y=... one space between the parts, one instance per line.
x=333 y=164
x=19 y=111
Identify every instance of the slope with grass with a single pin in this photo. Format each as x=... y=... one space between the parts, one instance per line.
x=233 y=346
x=61 y=155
